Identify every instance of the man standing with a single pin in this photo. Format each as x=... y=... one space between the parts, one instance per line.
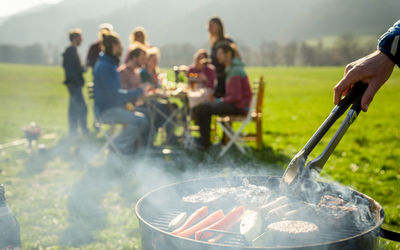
x=109 y=98
x=95 y=48
x=74 y=81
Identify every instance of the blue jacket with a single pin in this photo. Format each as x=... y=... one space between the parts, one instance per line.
x=389 y=43
x=107 y=91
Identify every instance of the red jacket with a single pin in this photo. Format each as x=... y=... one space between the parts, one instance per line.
x=237 y=88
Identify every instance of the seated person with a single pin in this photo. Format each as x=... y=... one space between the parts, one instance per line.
x=237 y=98
x=110 y=99
x=130 y=71
x=149 y=73
x=205 y=72
x=131 y=80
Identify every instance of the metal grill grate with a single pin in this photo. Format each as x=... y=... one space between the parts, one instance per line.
x=235 y=239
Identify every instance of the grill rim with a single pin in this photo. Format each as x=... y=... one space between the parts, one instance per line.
x=372 y=230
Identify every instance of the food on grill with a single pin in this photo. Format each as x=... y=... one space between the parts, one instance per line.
x=194 y=217
x=226 y=223
x=265 y=209
x=249 y=194
x=177 y=221
x=209 y=220
x=287 y=232
x=336 y=203
x=251 y=225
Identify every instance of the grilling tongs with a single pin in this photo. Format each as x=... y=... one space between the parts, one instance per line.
x=296 y=170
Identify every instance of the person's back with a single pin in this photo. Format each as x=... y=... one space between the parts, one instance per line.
x=106 y=83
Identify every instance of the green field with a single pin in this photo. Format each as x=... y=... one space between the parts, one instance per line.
x=62 y=201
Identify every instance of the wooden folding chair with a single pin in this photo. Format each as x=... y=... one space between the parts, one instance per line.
x=237 y=137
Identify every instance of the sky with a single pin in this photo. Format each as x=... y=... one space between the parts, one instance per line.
x=10 y=7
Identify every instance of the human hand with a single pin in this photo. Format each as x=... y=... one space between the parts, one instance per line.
x=374 y=70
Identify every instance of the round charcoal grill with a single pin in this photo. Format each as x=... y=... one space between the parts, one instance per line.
x=156 y=209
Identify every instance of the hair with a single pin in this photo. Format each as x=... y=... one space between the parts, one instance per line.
x=135 y=53
x=72 y=34
x=153 y=52
x=201 y=52
x=221 y=33
x=135 y=31
x=228 y=47
x=109 y=39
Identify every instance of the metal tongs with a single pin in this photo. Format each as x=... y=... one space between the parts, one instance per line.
x=296 y=172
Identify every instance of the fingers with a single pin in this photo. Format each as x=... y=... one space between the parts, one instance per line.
x=369 y=95
x=342 y=87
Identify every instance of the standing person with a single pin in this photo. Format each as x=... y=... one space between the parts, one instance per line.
x=374 y=69
x=95 y=48
x=110 y=99
x=217 y=36
x=138 y=37
x=237 y=98
x=77 y=110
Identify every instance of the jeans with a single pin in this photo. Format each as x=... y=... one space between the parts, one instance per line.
x=136 y=124
x=77 y=110
x=203 y=113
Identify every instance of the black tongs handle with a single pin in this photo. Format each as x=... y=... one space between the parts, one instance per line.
x=355 y=92
x=353 y=97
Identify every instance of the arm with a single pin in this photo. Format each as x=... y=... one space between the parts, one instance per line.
x=233 y=90
x=374 y=69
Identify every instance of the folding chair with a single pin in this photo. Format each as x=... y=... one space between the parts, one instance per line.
x=109 y=134
x=237 y=137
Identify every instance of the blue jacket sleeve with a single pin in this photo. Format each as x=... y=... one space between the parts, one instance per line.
x=389 y=43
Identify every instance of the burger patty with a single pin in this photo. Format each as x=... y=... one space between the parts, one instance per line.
x=293 y=227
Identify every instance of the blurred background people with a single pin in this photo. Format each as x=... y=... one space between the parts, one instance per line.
x=204 y=71
x=77 y=110
x=374 y=69
x=237 y=95
x=217 y=36
x=95 y=48
x=130 y=71
x=149 y=73
x=138 y=37
x=110 y=99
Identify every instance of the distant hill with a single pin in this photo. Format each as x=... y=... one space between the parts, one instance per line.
x=181 y=21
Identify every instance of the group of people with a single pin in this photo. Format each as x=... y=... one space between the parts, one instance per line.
x=221 y=72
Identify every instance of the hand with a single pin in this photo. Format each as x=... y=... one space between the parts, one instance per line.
x=374 y=70
x=146 y=88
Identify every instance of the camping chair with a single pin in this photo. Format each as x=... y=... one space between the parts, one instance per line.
x=254 y=115
x=109 y=134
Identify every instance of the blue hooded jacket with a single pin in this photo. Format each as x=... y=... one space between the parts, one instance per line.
x=107 y=91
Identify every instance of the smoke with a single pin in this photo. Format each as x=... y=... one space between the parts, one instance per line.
x=87 y=178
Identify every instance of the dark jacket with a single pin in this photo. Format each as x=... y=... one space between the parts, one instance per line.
x=389 y=43
x=72 y=67
x=107 y=91
x=93 y=54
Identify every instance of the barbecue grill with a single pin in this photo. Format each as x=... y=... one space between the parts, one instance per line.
x=156 y=209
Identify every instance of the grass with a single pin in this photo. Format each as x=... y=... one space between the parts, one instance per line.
x=63 y=202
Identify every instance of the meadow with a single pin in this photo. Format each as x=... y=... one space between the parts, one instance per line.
x=63 y=202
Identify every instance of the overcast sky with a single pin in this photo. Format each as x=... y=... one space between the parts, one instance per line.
x=10 y=7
